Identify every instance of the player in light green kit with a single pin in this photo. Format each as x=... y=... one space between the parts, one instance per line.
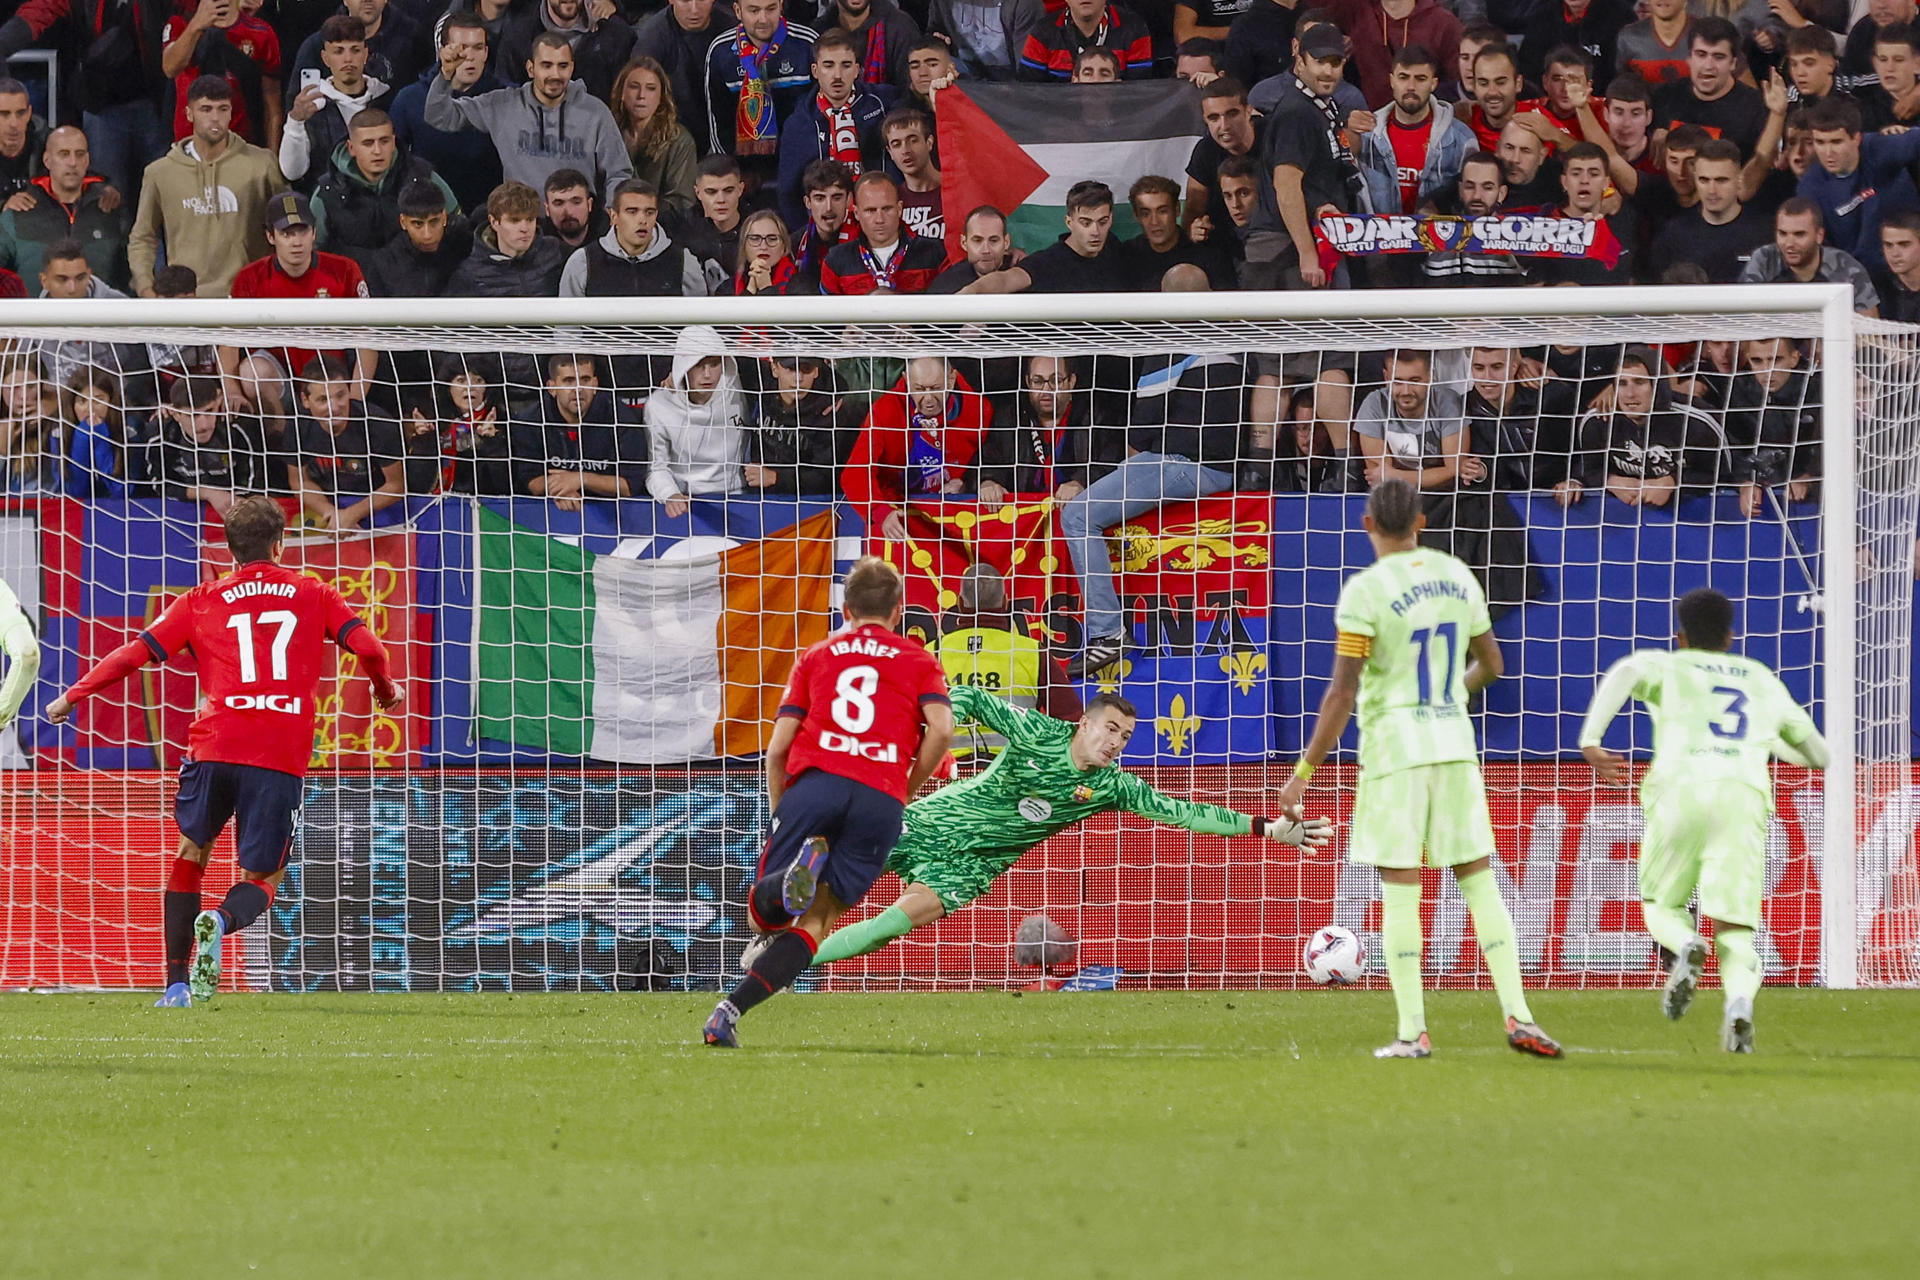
x=22 y=655
x=959 y=840
x=1414 y=643
x=1717 y=717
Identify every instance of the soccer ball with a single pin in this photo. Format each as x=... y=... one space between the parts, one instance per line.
x=1334 y=957
x=1040 y=941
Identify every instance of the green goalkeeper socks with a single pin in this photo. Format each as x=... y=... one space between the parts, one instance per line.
x=1400 y=939
x=1494 y=928
x=1739 y=961
x=858 y=939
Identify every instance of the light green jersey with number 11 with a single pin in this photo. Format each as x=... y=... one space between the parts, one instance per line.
x=1419 y=610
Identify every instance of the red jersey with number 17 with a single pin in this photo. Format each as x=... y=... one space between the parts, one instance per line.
x=858 y=694
x=258 y=634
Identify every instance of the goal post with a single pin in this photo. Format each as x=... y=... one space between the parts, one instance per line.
x=573 y=799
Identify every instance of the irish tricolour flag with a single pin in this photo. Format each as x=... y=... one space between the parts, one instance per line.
x=1019 y=147
x=643 y=661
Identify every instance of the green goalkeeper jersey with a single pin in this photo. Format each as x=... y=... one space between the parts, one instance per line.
x=1418 y=610
x=1033 y=790
x=1717 y=717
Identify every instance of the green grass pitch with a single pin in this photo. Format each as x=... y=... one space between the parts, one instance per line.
x=1209 y=1135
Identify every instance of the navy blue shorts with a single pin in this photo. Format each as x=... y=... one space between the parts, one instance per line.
x=264 y=804
x=861 y=826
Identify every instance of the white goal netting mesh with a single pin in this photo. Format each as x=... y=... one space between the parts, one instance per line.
x=593 y=551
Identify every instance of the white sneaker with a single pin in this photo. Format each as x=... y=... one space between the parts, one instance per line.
x=1736 y=1035
x=1683 y=978
x=1420 y=1048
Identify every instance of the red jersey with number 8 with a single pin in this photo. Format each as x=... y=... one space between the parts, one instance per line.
x=859 y=694
x=259 y=635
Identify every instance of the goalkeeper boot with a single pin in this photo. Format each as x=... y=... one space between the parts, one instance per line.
x=1421 y=1048
x=1736 y=1034
x=176 y=997
x=1683 y=978
x=802 y=880
x=719 y=1029
x=1527 y=1037
x=209 y=931
x=755 y=949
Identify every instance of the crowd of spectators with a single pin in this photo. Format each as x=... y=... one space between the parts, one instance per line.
x=574 y=148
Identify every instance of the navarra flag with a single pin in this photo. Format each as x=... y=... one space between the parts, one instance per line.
x=944 y=540
x=374 y=574
x=635 y=661
x=1020 y=147
x=1195 y=584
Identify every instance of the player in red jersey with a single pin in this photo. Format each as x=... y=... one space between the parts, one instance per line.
x=863 y=724
x=258 y=633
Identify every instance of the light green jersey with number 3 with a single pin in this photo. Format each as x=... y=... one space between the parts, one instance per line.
x=1419 y=610
x=1717 y=717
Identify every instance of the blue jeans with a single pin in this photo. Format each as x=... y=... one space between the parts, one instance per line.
x=124 y=140
x=1140 y=484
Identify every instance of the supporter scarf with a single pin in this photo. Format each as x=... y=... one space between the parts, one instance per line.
x=843 y=135
x=813 y=244
x=883 y=274
x=873 y=68
x=927 y=454
x=755 y=131
x=1336 y=128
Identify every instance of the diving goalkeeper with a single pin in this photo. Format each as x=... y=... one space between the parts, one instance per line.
x=959 y=840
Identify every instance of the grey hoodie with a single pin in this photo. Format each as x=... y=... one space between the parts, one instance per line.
x=695 y=449
x=533 y=140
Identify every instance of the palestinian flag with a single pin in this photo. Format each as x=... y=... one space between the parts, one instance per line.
x=644 y=661
x=1020 y=147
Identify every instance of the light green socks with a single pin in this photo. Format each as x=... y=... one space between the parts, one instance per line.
x=858 y=939
x=1739 y=960
x=1400 y=939
x=1671 y=927
x=1494 y=928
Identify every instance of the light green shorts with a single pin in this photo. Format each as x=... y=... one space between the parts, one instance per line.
x=1436 y=809
x=1717 y=843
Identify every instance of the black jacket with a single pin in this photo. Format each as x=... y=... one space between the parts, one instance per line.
x=1671 y=441
x=1197 y=417
x=600 y=444
x=361 y=217
x=488 y=273
x=1018 y=455
x=398 y=270
x=807 y=443
x=1772 y=438
x=1260 y=42
x=235 y=459
x=684 y=54
x=598 y=54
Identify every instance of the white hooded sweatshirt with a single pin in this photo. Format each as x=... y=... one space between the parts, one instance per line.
x=695 y=449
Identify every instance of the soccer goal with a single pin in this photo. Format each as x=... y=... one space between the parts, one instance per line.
x=594 y=533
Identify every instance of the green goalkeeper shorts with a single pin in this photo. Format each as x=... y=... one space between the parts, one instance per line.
x=1439 y=810
x=956 y=878
x=1716 y=843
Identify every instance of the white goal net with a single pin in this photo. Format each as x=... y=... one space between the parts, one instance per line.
x=594 y=534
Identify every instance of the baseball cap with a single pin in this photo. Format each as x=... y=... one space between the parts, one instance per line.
x=1323 y=41
x=289 y=209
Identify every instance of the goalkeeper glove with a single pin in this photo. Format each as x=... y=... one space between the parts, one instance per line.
x=1301 y=832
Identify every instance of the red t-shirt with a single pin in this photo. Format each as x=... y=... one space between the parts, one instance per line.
x=253 y=38
x=257 y=633
x=1409 y=157
x=858 y=694
x=1566 y=124
x=330 y=276
x=1484 y=133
